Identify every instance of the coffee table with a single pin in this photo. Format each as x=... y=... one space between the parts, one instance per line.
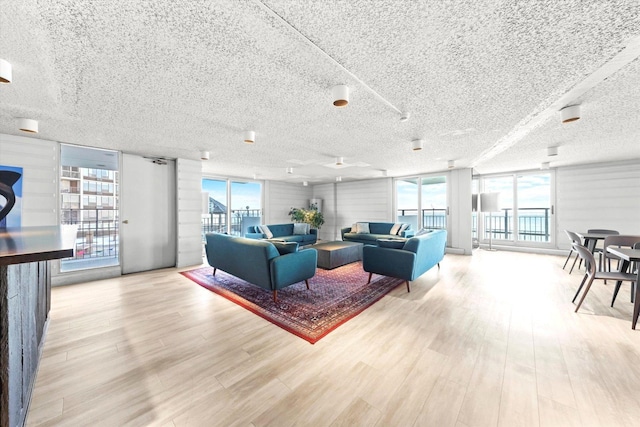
x=335 y=254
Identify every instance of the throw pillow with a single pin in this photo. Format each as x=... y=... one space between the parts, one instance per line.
x=395 y=228
x=286 y=247
x=354 y=227
x=300 y=228
x=363 y=228
x=265 y=230
x=423 y=231
x=403 y=227
x=391 y=243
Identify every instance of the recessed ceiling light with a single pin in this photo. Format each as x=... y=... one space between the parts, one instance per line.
x=5 y=71
x=417 y=144
x=405 y=116
x=249 y=136
x=570 y=114
x=340 y=95
x=28 y=125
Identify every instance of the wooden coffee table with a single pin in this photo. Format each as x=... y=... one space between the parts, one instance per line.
x=335 y=254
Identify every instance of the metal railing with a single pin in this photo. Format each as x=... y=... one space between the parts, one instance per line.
x=533 y=223
x=97 y=237
x=217 y=222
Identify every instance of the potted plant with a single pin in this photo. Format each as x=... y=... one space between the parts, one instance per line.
x=311 y=216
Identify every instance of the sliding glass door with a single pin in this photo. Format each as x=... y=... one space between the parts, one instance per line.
x=525 y=214
x=422 y=202
x=230 y=206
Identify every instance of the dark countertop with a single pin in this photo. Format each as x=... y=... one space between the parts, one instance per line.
x=30 y=244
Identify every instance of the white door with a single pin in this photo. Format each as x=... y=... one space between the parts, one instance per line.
x=148 y=214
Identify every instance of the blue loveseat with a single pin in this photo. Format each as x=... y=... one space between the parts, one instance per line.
x=377 y=230
x=408 y=260
x=283 y=232
x=259 y=262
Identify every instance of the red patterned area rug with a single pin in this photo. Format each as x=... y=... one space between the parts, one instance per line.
x=335 y=297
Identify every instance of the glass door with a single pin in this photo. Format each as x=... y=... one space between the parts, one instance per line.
x=534 y=206
x=246 y=206
x=422 y=202
x=525 y=215
x=230 y=206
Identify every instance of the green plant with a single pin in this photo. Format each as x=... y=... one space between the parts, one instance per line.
x=311 y=216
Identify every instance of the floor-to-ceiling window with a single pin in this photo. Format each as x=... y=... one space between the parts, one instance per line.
x=422 y=201
x=525 y=214
x=231 y=206
x=89 y=200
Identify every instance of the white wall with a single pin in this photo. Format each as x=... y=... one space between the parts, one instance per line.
x=327 y=193
x=280 y=197
x=460 y=224
x=603 y=195
x=189 y=209
x=39 y=160
x=369 y=201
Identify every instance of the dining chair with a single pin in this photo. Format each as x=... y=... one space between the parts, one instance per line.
x=621 y=241
x=633 y=269
x=593 y=274
x=575 y=239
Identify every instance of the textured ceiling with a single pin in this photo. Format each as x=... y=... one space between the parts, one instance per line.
x=482 y=80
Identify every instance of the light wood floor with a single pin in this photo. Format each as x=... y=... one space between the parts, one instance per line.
x=488 y=340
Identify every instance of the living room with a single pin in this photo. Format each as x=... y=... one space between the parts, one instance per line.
x=464 y=93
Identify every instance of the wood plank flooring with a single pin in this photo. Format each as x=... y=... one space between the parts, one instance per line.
x=487 y=340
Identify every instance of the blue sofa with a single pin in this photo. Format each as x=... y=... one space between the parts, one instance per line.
x=259 y=262
x=284 y=232
x=409 y=260
x=377 y=230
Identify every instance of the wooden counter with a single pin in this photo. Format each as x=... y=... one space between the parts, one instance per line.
x=25 y=292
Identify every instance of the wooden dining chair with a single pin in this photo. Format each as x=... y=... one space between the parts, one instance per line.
x=593 y=274
x=575 y=239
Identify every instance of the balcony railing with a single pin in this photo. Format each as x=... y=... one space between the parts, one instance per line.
x=533 y=223
x=96 y=238
x=240 y=220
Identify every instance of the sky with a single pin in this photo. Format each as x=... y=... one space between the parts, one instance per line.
x=242 y=194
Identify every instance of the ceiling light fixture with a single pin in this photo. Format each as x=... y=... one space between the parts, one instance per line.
x=451 y=164
x=338 y=178
x=5 y=71
x=570 y=114
x=552 y=151
x=339 y=161
x=385 y=172
x=417 y=144
x=544 y=165
x=28 y=125
x=305 y=183
x=340 y=95
x=289 y=171
x=405 y=116
x=204 y=155
x=249 y=136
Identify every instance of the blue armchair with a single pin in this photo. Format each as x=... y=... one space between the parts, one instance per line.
x=409 y=260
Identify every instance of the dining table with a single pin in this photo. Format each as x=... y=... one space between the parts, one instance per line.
x=628 y=255
x=590 y=240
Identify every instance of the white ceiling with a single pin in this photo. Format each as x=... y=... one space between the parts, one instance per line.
x=483 y=81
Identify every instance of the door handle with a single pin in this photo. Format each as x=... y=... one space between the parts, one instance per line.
x=126 y=221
